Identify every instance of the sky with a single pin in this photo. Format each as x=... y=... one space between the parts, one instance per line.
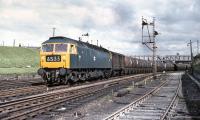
x=116 y=24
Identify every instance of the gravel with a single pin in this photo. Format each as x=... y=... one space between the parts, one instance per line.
x=101 y=107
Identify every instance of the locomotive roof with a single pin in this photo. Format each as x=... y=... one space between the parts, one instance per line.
x=61 y=39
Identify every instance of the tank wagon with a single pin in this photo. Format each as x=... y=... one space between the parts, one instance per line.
x=64 y=60
x=181 y=67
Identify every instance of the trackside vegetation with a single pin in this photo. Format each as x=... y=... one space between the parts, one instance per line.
x=18 y=60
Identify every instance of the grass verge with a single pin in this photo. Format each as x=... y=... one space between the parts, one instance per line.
x=18 y=70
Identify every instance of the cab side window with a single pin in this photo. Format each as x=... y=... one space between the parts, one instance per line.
x=72 y=49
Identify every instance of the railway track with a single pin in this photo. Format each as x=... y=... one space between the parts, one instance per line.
x=36 y=104
x=6 y=95
x=156 y=104
x=181 y=112
x=19 y=92
x=187 y=105
x=13 y=84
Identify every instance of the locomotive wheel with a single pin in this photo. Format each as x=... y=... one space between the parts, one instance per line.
x=74 y=77
x=87 y=76
x=66 y=80
x=49 y=83
x=107 y=74
x=102 y=76
x=82 y=76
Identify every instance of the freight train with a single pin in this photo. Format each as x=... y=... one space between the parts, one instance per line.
x=64 y=60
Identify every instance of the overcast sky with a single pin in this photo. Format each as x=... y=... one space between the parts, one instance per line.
x=116 y=24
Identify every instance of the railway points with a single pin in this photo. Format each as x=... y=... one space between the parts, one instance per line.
x=154 y=104
x=16 y=91
x=43 y=102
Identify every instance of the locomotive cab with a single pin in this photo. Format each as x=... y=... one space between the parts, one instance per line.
x=54 y=55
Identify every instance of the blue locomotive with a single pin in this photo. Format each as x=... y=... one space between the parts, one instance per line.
x=64 y=60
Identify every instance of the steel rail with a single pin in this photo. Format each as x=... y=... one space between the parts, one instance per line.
x=165 y=115
x=20 y=91
x=71 y=89
x=129 y=107
x=6 y=94
x=47 y=105
x=58 y=95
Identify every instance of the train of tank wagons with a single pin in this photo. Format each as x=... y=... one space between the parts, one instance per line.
x=64 y=60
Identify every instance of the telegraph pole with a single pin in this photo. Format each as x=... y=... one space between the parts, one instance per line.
x=54 y=29
x=14 y=43
x=191 y=54
x=197 y=47
x=154 y=50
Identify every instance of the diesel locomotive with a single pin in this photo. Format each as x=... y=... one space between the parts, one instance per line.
x=64 y=60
